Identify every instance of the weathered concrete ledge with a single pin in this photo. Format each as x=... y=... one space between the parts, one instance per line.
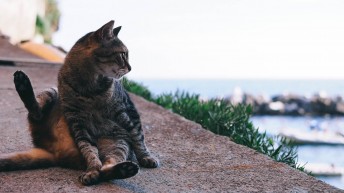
x=192 y=159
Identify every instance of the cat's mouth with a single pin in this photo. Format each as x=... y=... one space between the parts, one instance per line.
x=119 y=74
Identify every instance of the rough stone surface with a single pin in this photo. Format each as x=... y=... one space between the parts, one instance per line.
x=192 y=159
x=8 y=50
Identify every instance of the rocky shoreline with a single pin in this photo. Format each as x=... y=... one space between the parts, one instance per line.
x=319 y=104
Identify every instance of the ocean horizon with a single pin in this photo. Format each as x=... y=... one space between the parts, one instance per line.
x=210 y=88
x=322 y=154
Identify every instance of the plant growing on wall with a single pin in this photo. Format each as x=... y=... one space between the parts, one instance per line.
x=49 y=23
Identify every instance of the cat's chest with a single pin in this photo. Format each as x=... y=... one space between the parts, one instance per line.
x=99 y=110
x=104 y=106
x=103 y=117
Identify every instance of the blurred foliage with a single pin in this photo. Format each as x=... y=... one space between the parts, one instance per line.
x=136 y=88
x=48 y=24
x=223 y=119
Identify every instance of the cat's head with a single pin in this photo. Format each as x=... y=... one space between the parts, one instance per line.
x=104 y=51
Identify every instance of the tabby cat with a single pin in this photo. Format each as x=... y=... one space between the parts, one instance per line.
x=90 y=123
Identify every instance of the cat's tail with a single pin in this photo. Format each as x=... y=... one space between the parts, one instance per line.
x=32 y=159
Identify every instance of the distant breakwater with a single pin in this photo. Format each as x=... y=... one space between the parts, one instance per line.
x=319 y=104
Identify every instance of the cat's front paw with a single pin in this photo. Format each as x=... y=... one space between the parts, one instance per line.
x=89 y=177
x=149 y=162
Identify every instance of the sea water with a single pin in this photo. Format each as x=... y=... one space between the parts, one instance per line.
x=323 y=154
x=223 y=88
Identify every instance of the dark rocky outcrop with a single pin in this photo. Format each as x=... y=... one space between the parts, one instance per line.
x=291 y=104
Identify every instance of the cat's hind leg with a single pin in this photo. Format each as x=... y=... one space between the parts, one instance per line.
x=114 y=154
x=32 y=159
x=121 y=170
x=35 y=106
x=26 y=94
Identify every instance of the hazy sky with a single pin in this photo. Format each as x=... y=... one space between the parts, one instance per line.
x=218 y=39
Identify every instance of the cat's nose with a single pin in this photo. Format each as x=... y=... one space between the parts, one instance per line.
x=129 y=67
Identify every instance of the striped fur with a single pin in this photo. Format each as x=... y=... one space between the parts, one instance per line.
x=54 y=145
x=103 y=121
x=90 y=123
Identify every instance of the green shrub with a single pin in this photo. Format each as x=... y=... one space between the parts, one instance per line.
x=136 y=88
x=223 y=119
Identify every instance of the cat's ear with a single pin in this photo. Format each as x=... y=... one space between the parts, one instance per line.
x=105 y=32
x=116 y=30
